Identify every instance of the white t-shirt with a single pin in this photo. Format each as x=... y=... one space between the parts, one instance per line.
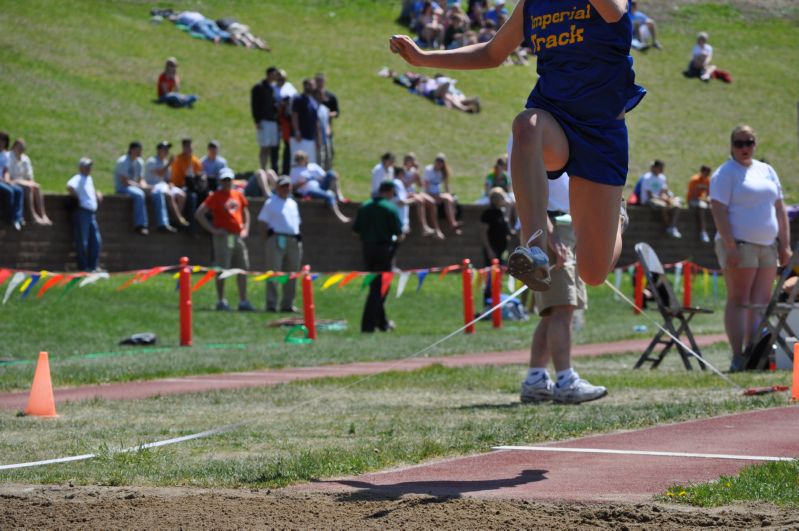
x=84 y=188
x=702 y=50
x=559 y=193
x=433 y=178
x=400 y=196
x=651 y=186
x=19 y=168
x=380 y=174
x=281 y=215
x=312 y=172
x=749 y=193
x=150 y=177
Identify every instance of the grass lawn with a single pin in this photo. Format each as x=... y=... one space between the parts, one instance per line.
x=81 y=331
x=78 y=78
x=769 y=482
x=323 y=428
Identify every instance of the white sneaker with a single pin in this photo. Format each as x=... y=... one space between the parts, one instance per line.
x=538 y=391
x=704 y=237
x=578 y=391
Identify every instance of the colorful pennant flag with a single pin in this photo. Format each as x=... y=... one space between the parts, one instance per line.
x=349 y=278
x=209 y=275
x=264 y=276
x=367 y=279
x=403 y=281
x=230 y=272
x=280 y=279
x=92 y=278
x=448 y=269
x=73 y=281
x=51 y=282
x=386 y=279
x=4 y=274
x=15 y=281
x=332 y=280
x=705 y=282
x=421 y=275
x=30 y=283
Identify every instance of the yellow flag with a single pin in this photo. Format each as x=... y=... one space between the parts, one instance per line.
x=263 y=277
x=25 y=285
x=332 y=281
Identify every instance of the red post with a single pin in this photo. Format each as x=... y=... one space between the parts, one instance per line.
x=468 y=298
x=686 y=284
x=639 y=288
x=496 y=292
x=185 y=302
x=307 y=302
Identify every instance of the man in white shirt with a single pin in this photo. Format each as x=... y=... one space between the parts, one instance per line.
x=655 y=193
x=384 y=171
x=84 y=218
x=281 y=216
x=308 y=178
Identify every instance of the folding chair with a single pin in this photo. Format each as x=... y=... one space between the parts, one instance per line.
x=671 y=310
x=774 y=318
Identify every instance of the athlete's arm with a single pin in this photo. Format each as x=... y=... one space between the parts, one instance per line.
x=473 y=57
x=610 y=10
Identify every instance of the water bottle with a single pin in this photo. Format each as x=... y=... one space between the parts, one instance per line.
x=640 y=329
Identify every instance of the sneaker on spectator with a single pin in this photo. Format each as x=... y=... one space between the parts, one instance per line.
x=223 y=306
x=538 y=391
x=704 y=237
x=673 y=232
x=245 y=306
x=577 y=391
x=531 y=266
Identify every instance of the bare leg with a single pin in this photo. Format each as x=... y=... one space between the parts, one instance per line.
x=538 y=144
x=739 y=290
x=760 y=294
x=241 y=281
x=28 y=189
x=553 y=339
x=175 y=205
x=419 y=207
x=38 y=203
x=595 y=218
x=263 y=156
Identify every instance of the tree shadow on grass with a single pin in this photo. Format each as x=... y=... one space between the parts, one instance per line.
x=440 y=489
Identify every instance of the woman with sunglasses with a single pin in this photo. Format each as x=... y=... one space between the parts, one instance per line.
x=573 y=122
x=753 y=235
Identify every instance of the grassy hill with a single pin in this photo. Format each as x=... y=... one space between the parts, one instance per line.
x=78 y=78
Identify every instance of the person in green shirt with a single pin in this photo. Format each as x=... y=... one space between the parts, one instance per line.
x=378 y=225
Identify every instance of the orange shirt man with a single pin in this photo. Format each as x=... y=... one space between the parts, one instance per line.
x=699 y=186
x=185 y=165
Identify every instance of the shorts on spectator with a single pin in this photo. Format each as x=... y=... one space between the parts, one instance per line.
x=308 y=146
x=752 y=254
x=230 y=251
x=698 y=203
x=566 y=287
x=267 y=134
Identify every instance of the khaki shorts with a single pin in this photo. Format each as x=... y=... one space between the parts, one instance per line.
x=230 y=251
x=566 y=288
x=752 y=255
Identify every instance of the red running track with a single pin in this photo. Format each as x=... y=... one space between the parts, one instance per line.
x=215 y=382
x=587 y=477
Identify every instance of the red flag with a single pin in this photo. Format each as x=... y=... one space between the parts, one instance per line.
x=386 y=283
x=349 y=278
x=4 y=274
x=55 y=279
x=200 y=283
x=131 y=280
x=448 y=269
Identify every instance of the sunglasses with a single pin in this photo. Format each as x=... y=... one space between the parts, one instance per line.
x=743 y=143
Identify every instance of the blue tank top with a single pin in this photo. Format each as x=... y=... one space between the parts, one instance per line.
x=584 y=65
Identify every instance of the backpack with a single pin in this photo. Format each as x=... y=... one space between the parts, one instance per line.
x=756 y=355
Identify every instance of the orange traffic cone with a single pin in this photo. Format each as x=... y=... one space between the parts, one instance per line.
x=41 y=402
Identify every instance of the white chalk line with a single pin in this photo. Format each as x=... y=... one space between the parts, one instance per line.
x=156 y=444
x=215 y=431
x=644 y=453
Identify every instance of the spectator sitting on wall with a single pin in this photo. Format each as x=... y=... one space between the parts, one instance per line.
x=426 y=205
x=169 y=87
x=14 y=195
x=84 y=217
x=309 y=179
x=129 y=180
x=229 y=227
x=644 y=29
x=187 y=173
x=20 y=172
x=697 y=197
x=498 y=178
x=281 y=216
x=157 y=176
x=383 y=171
x=655 y=193
x=436 y=183
x=212 y=163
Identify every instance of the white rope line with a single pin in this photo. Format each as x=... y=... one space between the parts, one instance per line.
x=672 y=336
x=649 y=453
x=306 y=403
x=156 y=444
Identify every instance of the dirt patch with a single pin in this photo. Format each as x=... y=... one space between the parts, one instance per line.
x=48 y=507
